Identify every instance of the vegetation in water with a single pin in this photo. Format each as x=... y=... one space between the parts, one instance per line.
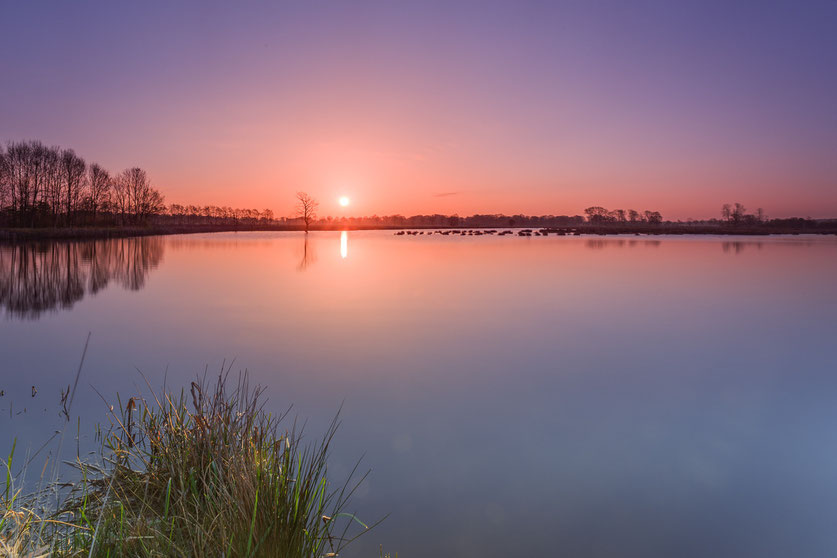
x=206 y=472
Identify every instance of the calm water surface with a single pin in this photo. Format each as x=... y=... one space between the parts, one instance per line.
x=581 y=396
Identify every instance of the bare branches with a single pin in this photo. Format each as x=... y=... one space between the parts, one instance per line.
x=49 y=186
x=140 y=199
x=72 y=169
x=99 y=182
x=597 y=214
x=736 y=214
x=306 y=208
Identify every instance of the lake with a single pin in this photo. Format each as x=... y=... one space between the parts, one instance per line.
x=513 y=396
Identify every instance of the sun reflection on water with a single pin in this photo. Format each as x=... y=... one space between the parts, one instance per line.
x=344 y=244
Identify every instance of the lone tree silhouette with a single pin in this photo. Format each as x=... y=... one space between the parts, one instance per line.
x=306 y=209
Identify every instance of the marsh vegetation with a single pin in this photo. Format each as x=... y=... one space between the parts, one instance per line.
x=203 y=472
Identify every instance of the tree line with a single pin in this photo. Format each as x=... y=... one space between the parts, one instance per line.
x=434 y=220
x=47 y=186
x=597 y=214
x=213 y=214
x=44 y=185
x=736 y=214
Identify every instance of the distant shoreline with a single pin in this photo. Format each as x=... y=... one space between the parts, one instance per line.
x=9 y=235
x=81 y=233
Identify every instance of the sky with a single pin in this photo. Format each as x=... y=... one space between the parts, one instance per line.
x=439 y=107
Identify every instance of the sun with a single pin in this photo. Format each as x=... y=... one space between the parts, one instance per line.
x=343 y=201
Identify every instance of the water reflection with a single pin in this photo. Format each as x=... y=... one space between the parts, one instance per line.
x=737 y=246
x=598 y=244
x=308 y=255
x=38 y=278
x=648 y=395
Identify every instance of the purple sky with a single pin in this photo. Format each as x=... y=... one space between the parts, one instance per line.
x=500 y=106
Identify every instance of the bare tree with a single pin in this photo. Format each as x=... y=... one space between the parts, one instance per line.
x=25 y=178
x=726 y=212
x=30 y=176
x=653 y=217
x=119 y=196
x=738 y=213
x=99 y=181
x=38 y=170
x=306 y=208
x=52 y=192
x=597 y=214
x=18 y=159
x=73 y=170
x=41 y=184
x=141 y=200
x=5 y=180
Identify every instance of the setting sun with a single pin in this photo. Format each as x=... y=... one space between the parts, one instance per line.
x=343 y=201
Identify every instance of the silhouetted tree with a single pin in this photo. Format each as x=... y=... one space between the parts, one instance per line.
x=653 y=217
x=99 y=188
x=141 y=199
x=37 y=179
x=738 y=213
x=19 y=162
x=597 y=214
x=52 y=193
x=72 y=168
x=306 y=208
x=119 y=197
x=4 y=180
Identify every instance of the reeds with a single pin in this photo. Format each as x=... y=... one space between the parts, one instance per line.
x=203 y=473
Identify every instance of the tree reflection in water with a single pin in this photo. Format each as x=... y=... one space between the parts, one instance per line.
x=37 y=278
x=308 y=255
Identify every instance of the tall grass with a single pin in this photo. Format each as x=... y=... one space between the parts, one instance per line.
x=203 y=473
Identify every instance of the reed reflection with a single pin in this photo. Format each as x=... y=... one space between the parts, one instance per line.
x=38 y=278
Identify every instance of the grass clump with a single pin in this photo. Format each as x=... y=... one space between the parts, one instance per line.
x=203 y=473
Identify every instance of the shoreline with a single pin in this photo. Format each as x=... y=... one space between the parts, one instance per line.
x=14 y=235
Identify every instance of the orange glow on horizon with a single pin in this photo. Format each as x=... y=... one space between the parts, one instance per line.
x=493 y=115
